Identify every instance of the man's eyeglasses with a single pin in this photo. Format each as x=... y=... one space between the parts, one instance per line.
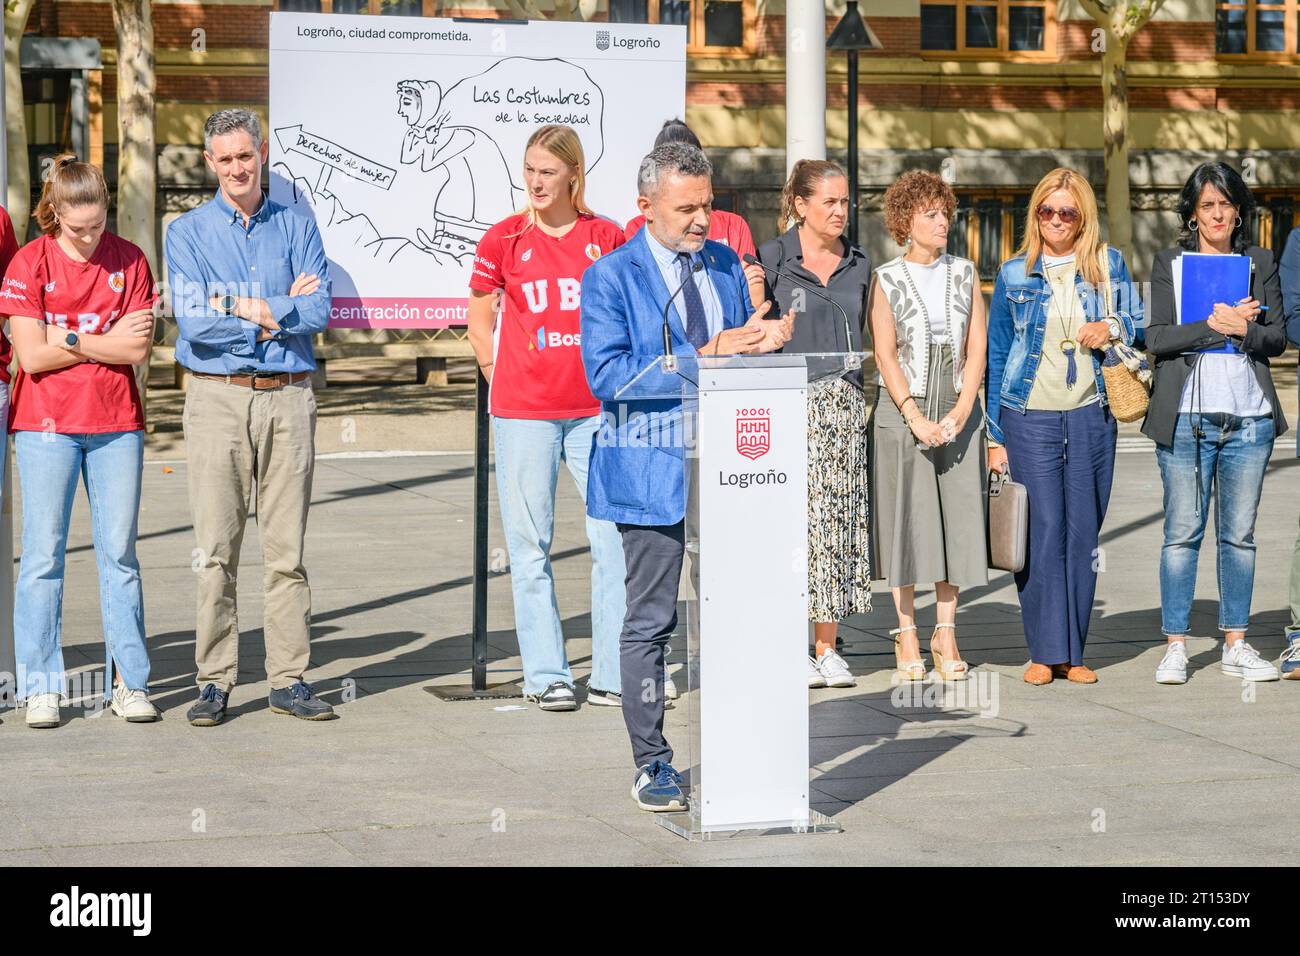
x=1069 y=215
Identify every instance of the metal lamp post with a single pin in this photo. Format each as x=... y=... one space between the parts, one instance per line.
x=852 y=35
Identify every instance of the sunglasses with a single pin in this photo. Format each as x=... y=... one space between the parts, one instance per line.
x=1069 y=215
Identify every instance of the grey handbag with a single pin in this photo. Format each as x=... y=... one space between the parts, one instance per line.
x=1008 y=522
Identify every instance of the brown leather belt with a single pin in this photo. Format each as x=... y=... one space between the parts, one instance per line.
x=258 y=382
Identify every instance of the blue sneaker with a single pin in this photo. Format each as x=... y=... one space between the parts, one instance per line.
x=658 y=787
x=210 y=709
x=1289 y=662
x=297 y=700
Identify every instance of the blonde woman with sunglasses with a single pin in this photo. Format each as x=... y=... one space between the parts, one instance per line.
x=1056 y=305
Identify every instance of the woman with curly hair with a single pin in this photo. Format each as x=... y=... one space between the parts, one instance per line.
x=927 y=452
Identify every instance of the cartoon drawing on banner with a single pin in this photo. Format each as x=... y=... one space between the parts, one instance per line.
x=466 y=180
x=403 y=139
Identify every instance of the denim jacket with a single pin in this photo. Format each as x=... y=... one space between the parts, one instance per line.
x=1018 y=321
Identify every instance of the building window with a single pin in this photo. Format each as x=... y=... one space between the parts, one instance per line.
x=984 y=28
x=728 y=200
x=988 y=228
x=1260 y=29
x=1277 y=213
x=629 y=11
x=714 y=27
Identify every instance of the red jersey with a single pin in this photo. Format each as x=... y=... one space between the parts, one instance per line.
x=538 y=371
x=8 y=249
x=724 y=227
x=44 y=283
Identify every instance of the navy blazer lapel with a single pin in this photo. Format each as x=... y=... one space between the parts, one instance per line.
x=645 y=260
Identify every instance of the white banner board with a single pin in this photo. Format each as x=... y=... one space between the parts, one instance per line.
x=404 y=138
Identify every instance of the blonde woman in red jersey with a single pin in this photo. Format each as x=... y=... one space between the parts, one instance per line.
x=542 y=410
x=80 y=306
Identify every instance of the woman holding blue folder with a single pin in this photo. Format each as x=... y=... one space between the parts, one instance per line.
x=1214 y=414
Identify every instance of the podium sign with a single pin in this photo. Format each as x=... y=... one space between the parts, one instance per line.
x=745 y=422
x=753 y=592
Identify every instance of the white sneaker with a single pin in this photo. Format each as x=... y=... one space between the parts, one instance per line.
x=815 y=676
x=1172 y=668
x=43 y=710
x=670 y=689
x=835 y=669
x=133 y=705
x=557 y=696
x=1241 y=660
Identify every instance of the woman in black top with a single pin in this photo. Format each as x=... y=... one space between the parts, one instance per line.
x=1214 y=415
x=814 y=250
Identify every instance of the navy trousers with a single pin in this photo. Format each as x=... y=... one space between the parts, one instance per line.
x=653 y=555
x=1066 y=461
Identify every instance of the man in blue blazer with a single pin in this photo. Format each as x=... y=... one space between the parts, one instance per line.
x=637 y=475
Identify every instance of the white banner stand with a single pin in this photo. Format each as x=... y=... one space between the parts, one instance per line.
x=744 y=422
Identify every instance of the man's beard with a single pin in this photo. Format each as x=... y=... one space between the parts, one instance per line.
x=690 y=242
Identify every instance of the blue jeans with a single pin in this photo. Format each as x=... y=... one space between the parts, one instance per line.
x=49 y=465
x=1233 y=453
x=528 y=455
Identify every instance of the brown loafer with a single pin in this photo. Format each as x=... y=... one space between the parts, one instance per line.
x=1038 y=674
x=1076 y=673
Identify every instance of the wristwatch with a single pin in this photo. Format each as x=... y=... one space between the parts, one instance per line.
x=69 y=341
x=1116 y=330
x=227 y=304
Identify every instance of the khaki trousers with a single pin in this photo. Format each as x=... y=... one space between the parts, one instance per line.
x=238 y=439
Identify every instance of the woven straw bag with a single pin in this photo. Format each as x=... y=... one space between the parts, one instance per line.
x=1126 y=372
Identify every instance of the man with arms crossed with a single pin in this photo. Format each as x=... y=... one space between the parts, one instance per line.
x=249 y=287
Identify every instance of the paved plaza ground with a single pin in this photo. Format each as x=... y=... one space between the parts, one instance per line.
x=1121 y=772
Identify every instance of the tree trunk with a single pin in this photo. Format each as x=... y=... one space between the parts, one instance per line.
x=19 y=198
x=1114 y=92
x=137 y=164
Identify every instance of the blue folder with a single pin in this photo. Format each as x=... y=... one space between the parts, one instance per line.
x=1202 y=280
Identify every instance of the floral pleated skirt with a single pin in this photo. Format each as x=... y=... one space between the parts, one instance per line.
x=839 y=558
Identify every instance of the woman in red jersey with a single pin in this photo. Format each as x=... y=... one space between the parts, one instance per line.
x=80 y=306
x=542 y=410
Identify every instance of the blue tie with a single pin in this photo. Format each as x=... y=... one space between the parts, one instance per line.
x=697 y=324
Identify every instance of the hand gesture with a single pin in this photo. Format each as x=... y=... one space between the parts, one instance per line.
x=951 y=425
x=742 y=341
x=137 y=325
x=1093 y=335
x=304 y=284
x=928 y=434
x=998 y=459
x=776 y=332
x=1232 y=320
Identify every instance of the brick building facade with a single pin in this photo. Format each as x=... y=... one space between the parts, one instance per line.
x=995 y=92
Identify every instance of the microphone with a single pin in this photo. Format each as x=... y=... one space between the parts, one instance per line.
x=670 y=360
x=815 y=290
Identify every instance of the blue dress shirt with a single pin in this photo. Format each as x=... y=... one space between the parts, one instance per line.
x=209 y=252
x=666 y=259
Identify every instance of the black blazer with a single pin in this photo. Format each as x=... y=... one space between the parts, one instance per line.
x=1168 y=341
x=820 y=327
